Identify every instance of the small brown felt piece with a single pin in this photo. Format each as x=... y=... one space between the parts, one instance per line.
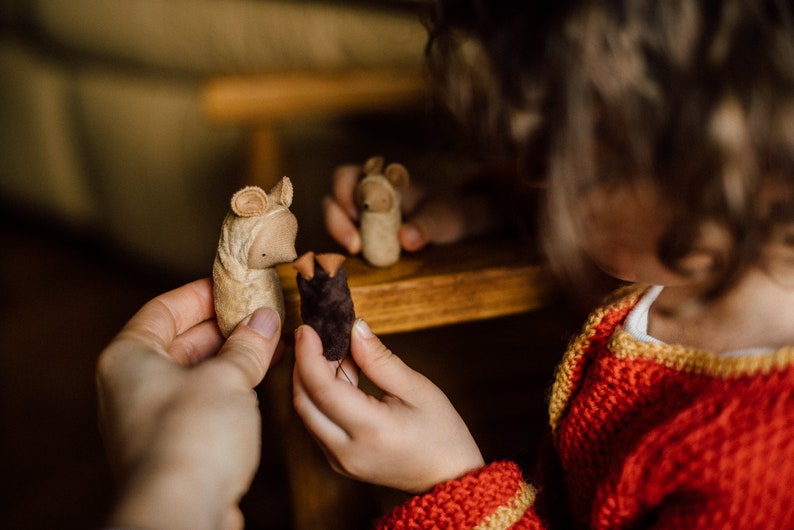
x=326 y=304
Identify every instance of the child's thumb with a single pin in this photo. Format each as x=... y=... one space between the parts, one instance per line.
x=387 y=371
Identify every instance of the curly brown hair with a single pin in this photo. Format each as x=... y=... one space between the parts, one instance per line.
x=694 y=97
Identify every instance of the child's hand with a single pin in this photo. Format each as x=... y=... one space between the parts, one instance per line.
x=411 y=439
x=178 y=413
x=437 y=220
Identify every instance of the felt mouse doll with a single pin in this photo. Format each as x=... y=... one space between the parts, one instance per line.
x=378 y=196
x=257 y=234
x=326 y=304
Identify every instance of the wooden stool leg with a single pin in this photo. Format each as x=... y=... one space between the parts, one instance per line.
x=264 y=163
x=322 y=499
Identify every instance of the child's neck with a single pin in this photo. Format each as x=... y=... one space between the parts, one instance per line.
x=757 y=313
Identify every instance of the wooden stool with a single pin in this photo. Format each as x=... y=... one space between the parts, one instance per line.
x=262 y=102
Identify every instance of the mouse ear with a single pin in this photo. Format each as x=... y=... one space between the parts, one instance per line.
x=305 y=265
x=397 y=174
x=330 y=262
x=374 y=165
x=283 y=191
x=249 y=201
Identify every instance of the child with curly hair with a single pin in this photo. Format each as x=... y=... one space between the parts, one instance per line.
x=665 y=131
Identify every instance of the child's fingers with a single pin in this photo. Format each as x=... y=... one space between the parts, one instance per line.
x=436 y=222
x=250 y=348
x=412 y=197
x=449 y=219
x=344 y=181
x=347 y=371
x=326 y=432
x=308 y=350
x=326 y=388
x=341 y=226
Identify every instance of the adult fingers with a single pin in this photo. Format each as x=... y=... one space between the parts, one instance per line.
x=169 y=315
x=340 y=225
x=197 y=344
x=233 y=519
x=252 y=345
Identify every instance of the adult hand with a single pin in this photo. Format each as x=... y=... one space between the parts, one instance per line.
x=178 y=413
x=429 y=220
x=410 y=439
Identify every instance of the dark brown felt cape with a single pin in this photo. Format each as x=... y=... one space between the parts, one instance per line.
x=326 y=304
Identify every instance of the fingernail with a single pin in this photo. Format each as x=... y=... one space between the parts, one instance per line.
x=264 y=321
x=412 y=237
x=363 y=329
x=354 y=243
x=298 y=333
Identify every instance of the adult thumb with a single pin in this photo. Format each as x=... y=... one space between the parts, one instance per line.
x=253 y=344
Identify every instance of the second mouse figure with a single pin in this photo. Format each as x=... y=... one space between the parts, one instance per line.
x=378 y=196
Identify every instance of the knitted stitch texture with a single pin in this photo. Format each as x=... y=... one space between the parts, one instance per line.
x=648 y=435
x=493 y=497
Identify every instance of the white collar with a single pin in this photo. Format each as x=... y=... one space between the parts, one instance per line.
x=637 y=324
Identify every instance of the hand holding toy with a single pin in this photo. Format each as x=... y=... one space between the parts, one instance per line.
x=378 y=197
x=179 y=419
x=410 y=439
x=442 y=218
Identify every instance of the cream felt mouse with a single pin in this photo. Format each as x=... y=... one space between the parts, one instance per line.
x=257 y=234
x=378 y=196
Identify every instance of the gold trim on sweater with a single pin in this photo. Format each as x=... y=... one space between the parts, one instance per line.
x=624 y=346
x=512 y=512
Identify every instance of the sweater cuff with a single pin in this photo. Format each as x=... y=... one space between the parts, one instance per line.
x=494 y=496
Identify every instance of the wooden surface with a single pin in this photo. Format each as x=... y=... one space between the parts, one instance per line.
x=265 y=98
x=437 y=286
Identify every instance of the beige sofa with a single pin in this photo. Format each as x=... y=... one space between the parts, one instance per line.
x=101 y=125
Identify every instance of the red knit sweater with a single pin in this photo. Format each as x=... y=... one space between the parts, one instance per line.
x=648 y=435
